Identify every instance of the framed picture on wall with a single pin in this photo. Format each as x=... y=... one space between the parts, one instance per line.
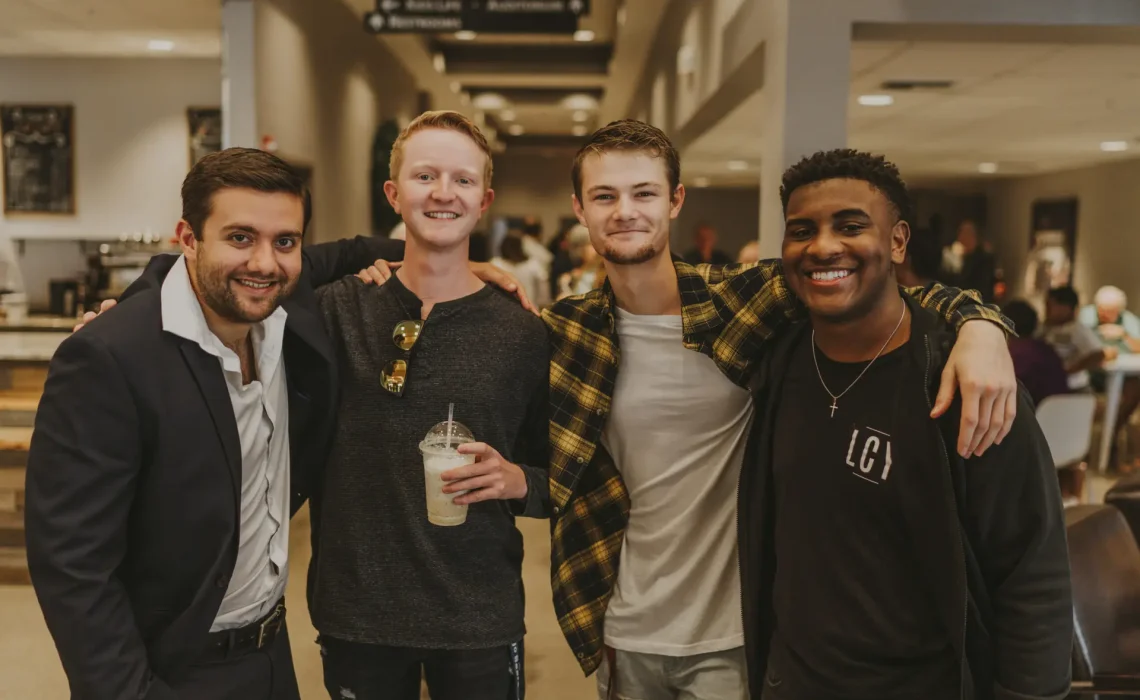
x=205 y=132
x=38 y=158
x=1052 y=246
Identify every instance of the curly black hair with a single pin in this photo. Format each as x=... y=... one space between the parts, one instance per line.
x=847 y=163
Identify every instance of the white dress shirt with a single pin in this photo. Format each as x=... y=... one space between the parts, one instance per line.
x=261 y=410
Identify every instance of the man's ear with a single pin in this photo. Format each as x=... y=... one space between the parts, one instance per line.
x=393 y=195
x=900 y=237
x=578 y=211
x=186 y=239
x=677 y=202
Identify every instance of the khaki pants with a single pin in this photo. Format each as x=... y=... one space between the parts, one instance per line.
x=720 y=675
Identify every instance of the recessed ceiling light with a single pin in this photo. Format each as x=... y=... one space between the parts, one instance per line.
x=491 y=101
x=579 y=102
x=456 y=86
x=516 y=130
x=876 y=100
x=507 y=115
x=579 y=130
x=160 y=45
x=737 y=165
x=465 y=35
x=584 y=35
x=1114 y=146
x=701 y=182
x=988 y=168
x=439 y=63
x=581 y=115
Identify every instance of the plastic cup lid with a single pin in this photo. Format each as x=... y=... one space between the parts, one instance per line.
x=437 y=436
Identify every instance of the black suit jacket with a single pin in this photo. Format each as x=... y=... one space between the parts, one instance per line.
x=134 y=475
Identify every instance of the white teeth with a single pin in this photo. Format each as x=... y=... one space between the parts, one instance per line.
x=830 y=275
x=441 y=215
x=255 y=285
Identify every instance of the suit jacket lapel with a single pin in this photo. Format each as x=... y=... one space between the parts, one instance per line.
x=307 y=324
x=207 y=373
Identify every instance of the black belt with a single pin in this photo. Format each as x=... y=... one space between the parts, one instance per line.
x=242 y=640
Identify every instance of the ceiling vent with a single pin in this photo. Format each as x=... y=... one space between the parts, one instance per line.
x=917 y=84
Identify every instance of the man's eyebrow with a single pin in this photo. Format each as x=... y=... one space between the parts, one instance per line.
x=798 y=222
x=853 y=212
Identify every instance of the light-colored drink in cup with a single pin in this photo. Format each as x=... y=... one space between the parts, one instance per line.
x=440 y=458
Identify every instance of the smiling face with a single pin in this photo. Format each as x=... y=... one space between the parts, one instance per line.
x=842 y=238
x=627 y=205
x=440 y=190
x=248 y=257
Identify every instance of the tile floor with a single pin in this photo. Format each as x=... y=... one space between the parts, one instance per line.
x=30 y=669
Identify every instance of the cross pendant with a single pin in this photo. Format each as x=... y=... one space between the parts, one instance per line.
x=833 y=407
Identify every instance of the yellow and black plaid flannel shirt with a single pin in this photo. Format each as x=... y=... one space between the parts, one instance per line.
x=727 y=312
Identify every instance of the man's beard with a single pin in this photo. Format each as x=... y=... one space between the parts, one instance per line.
x=643 y=254
x=214 y=286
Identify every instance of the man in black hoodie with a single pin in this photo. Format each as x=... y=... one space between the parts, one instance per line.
x=876 y=562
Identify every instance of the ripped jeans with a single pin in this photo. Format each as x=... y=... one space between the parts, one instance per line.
x=372 y=672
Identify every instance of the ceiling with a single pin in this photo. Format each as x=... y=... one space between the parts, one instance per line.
x=535 y=90
x=109 y=28
x=547 y=86
x=1026 y=107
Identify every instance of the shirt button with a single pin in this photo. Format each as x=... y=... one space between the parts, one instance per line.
x=601 y=411
x=557 y=510
x=581 y=460
x=581 y=655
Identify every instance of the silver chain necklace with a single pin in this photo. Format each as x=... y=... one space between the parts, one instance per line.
x=835 y=397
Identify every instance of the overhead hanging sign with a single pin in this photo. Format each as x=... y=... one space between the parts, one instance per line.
x=491 y=16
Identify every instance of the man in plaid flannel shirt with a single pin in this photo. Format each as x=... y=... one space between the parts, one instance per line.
x=645 y=463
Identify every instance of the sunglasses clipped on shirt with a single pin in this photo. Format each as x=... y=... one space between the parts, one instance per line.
x=395 y=373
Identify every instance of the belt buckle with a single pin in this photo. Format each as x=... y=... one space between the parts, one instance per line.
x=275 y=619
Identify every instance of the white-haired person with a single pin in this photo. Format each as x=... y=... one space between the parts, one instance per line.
x=1109 y=317
x=1119 y=331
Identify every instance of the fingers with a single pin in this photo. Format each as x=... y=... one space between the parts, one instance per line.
x=991 y=420
x=1010 y=414
x=945 y=391
x=525 y=301
x=484 y=488
x=377 y=274
x=107 y=305
x=968 y=425
x=87 y=318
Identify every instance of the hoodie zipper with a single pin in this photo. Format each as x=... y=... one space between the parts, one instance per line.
x=958 y=541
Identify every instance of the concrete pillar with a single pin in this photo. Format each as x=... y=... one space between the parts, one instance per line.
x=239 y=74
x=807 y=58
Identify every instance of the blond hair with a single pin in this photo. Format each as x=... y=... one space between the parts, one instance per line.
x=440 y=119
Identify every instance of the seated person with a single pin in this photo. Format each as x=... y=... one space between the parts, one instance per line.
x=1080 y=349
x=1037 y=365
x=1116 y=326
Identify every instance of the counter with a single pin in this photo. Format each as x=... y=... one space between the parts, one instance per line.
x=56 y=324
x=29 y=346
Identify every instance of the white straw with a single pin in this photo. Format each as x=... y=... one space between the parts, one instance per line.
x=450 y=424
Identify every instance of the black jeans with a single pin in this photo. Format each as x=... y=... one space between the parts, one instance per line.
x=374 y=672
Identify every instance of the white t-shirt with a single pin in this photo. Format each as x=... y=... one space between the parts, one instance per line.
x=677 y=432
x=1072 y=341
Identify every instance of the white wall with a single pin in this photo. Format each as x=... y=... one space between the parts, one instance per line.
x=323 y=86
x=1108 y=232
x=131 y=137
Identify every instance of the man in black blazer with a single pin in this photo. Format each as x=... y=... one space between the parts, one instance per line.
x=175 y=438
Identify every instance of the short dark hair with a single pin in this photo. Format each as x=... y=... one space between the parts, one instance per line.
x=925 y=254
x=629 y=135
x=1065 y=296
x=511 y=249
x=847 y=163
x=245 y=168
x=1024 y=317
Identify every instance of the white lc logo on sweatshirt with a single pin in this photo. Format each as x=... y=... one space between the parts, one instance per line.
x=869 y=454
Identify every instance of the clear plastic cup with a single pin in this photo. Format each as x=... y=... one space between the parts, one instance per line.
x=440 y=458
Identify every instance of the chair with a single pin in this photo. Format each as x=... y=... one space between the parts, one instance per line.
x=1105 y=564
x=1067 y=420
